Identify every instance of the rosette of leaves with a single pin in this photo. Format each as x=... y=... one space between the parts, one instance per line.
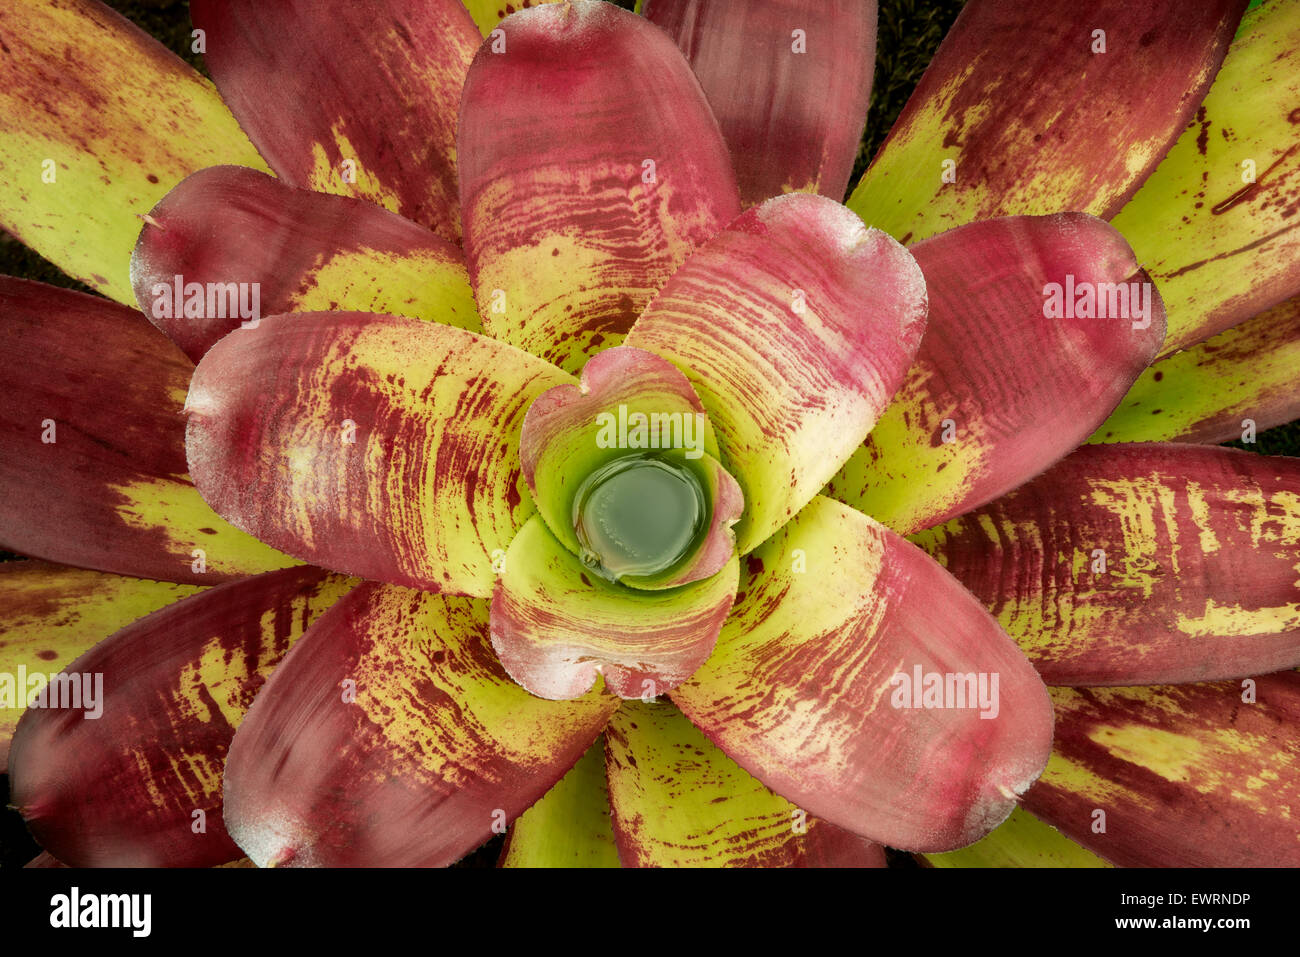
x=365 y=583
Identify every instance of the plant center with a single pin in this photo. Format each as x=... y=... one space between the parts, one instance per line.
x=638 y=515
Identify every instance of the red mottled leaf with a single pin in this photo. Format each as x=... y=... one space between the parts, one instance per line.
x=391 y=737
x=97 y=121
x=1016 y=368
x=380 y=446
x=50 y=615
x=1141 y=564
x=92 y=445
x=358 y=99
x=590 y=168
x=311 y=251
x=1203 y=775
x=1022 y=113
x=795 y=325
x=859 y=680
x=789 y=82
x=139 y=784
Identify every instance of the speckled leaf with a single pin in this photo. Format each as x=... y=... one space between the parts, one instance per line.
x=678 y=801
x=1187 y=776
x=1141 y=564
x=557 y=626
x=97 y=121
x=1001 y=389
x=583 y=190
x=92 y=445
x=1034 y=119
x=1223 y=249
x=795 y=326
x=569 y=826
x=789 y=82
x=1245 y=377
x=126 y=788
x=1022 y=840
x=52 y=614
x=810 y=687
x=313 y=251
x=395 y=694
x=355 y=99
x=379 y=446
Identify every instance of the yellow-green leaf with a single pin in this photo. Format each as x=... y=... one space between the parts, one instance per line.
x=1025 y=110
x=97 y=121
x=51 y=614
x=1022 y=840
x=1243 y=379
x=1216 y=224
x=679 y=801
x=569 y=826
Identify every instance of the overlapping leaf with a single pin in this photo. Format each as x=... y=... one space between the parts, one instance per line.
x=397 y=693
x=1141 y=564
x=140 y=783
x=95 y=483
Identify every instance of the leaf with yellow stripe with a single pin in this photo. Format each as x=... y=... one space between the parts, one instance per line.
x=795 y=325
x=380 y=446
x=391 y=737
x=52 y=614
x=356 y=99
x=1022 y=840
x=1216 y=224
x=679 y=801
x=1141 y=563
x=577 y=212
x=314 y=251
x=1203 y=775
x=810 y=688
x=1024 y=110
x=1211 y=392
x=569 y=826
x=97 y=121
x=1002 y=385
x=92 y=445
x=140 y=784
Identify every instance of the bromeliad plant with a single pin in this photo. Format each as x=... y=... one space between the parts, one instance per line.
x=661 y=612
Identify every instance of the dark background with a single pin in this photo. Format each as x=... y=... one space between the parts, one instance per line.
x=909 y=32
